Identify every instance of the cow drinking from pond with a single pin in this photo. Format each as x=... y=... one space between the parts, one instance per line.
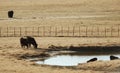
x=27 y=41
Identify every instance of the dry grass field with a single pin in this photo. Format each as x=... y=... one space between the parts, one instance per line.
x=34 y=13
x=10 y=53
x=60 y=13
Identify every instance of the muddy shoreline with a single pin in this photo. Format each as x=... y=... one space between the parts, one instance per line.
x=72 y=50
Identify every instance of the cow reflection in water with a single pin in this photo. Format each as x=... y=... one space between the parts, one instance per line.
x=27 y=41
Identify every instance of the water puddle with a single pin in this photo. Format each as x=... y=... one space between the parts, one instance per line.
x=69 y=60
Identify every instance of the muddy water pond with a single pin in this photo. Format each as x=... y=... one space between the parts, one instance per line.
x=72 y=60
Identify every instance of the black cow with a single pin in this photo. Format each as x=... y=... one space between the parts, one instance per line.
x=31 y=41
x=24 y=42
x=92 y=60
x=28 y=41
x=113 y=57
x=10 y=14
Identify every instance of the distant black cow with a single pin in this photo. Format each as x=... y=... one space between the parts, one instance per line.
x=113 y=57
x=28 y=41
x=10 y=14
x=92 y=60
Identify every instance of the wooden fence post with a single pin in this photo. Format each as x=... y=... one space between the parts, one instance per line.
x=118 y=31
x=111 y=31
x=79 y=31
x=55 y=31
x=7 y=31
x=38 y=31
x=32 y=31
x=62 y=30
x=105 y=32
x=68 y=31
x=14 y=32
x=86 y=31
x=25 y=31
x=50 y=31
x=98 y=31
x=20 y=31
x=43 y=30
x=73 y=30
x=92 y=31
x=0 y=32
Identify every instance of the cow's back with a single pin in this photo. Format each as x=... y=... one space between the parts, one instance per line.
x=32 y=41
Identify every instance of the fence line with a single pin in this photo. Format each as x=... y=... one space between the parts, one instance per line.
x=59 y=31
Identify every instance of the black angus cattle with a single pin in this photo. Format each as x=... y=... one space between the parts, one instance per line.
x=28 y=41
x=113 y=57
x=10 y=14
x=24 y=42
x=92 y=60
x=31 y=41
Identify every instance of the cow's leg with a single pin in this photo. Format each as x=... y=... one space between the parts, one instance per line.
x=23 y=46
x=29 y=45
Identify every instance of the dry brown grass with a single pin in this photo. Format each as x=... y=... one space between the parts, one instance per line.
x=36 y=13
x=39 y=12
x=10 y=51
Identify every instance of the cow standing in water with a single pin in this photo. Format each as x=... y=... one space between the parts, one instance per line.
x=28 y=41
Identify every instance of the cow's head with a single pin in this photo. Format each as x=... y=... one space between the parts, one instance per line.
x=35 y=45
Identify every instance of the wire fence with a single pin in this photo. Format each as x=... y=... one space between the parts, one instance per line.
x=61 y=31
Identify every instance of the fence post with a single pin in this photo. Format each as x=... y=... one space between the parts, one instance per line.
x=86 y=30
x=79 y=31
x=105 y=32
x=62 y=30
x=25 y=31
x=43 y=30
x=7 y=31
x=73 y=30
x=20 y=31
x=111 y=31
x=68 y=31
x=0 y=31
x=98 y=31
x=32 y=31
x=92 y=31
x=14 y=32
x=118 y=31
x=50 y=31
x=55 y=31
x=38 y=31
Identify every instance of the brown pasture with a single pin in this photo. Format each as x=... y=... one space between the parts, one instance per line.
x=64 y=18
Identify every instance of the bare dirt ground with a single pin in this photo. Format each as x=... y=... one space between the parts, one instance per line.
x=34 y=13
